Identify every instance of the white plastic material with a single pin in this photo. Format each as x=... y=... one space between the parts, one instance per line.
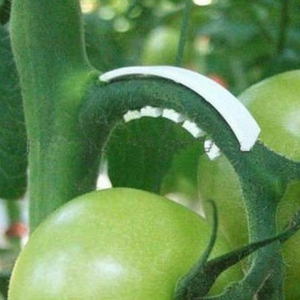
x=194 y=130
x=211 y=149
x=172 y=115
x=150 y=111
x=132 y=115
x=234 y=113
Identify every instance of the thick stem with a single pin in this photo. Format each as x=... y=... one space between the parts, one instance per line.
x=268 y=262
x=48 y=45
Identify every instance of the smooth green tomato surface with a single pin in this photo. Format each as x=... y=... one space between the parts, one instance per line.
x=161 y=47
x=275 y=104
x=223 y=186
x=116 y=244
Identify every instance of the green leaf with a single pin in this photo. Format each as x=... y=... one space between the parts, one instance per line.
x=13 y=148
x=140 y=152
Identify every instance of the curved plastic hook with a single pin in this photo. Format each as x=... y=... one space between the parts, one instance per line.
x=231 y=109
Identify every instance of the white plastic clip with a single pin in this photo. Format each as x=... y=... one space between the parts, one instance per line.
x=231 y=109
x=150 y=111
x=132 y=115
x=211 y=149
x=194 y=130
x=172 y=115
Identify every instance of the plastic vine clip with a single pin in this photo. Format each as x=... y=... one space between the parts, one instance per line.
x=228 y=106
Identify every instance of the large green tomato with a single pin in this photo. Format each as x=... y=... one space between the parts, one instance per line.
x=117 y=244
x=275 y=104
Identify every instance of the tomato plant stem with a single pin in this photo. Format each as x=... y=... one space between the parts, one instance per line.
x=184 y=32
x=49 y=51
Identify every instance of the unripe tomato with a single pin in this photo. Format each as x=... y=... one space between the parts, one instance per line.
x=275 y=104
x=117 y=244
x=227 y=193
x=161 y=47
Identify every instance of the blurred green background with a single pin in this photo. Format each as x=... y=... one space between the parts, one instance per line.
x=235 y=42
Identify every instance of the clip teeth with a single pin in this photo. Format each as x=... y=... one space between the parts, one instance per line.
x=132 y=115
x=150 y=111
x=211 y=150
x=172 y=115
x=194 y=130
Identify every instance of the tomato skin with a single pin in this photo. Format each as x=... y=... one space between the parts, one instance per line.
x=217 y=180
x=114 y=244
x=161 y=47
x=275 y=104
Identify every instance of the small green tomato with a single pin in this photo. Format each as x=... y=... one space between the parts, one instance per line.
x=161 y=47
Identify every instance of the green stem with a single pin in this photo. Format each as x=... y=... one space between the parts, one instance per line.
x=284 y=22
x=268 y=263
x=201 y=278
x=184 y=32
x=48 y=45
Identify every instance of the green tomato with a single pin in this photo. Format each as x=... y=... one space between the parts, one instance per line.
x=217 y=180
x=275 y=104
x=161 y=47
x=117 y=244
